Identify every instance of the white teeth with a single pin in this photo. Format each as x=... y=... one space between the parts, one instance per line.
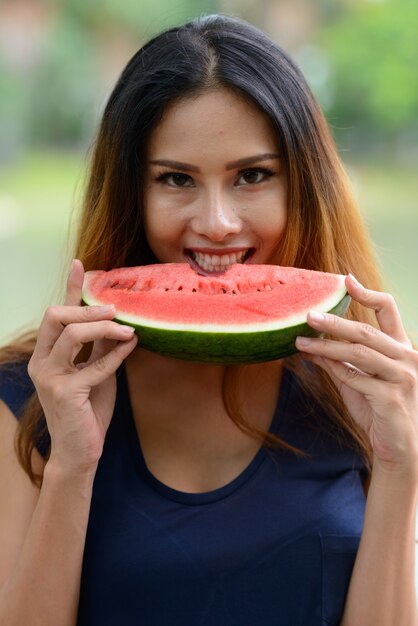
x=218 y=263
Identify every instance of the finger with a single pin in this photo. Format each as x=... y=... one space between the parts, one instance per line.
x=74 y=336
x=356 y=332
x=357 y=354
x=98 y=371
x=56 y=318
x=325 y=364
x=384 y=305
x=347 y=374
x=75 y=283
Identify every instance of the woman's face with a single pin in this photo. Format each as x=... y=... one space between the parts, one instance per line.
x=215 y=187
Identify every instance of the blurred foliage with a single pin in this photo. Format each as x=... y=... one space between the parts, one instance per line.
x=54 y=101
x=372 y=48
x=142 y=17
x=63 y=86
x=361 y=61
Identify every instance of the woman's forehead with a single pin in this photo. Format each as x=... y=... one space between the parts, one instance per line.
x=216 y=116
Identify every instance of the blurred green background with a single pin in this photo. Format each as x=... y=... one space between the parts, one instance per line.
x=60 y=58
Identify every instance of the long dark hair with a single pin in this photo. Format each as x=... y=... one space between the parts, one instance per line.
x=324 y=229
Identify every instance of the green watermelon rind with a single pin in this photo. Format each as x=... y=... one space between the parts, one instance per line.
x=225 y=348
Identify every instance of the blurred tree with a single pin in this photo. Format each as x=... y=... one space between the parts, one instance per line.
x=13 y=113
x=144 y=17
x=63 y=86
x=360 y=56
x=54 y=101
x=372 y=49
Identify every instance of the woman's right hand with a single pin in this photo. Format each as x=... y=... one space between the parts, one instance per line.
x=78 y=399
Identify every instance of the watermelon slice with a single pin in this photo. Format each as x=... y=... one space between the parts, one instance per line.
x=249 y=314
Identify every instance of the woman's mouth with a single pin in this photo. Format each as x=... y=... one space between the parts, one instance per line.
x=216 y=263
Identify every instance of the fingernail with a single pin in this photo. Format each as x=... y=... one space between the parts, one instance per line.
x=129 y=330
x=302 y=341
x=355 y=281
x=106 y=308
x=315 y=316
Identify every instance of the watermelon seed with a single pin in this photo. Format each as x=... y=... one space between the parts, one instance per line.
x=127 y=284
x=147 y=285
x=223 y=290
x=194 y=290
x=234 y=292
x=180 y=288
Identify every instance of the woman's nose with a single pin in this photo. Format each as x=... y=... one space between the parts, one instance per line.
x=216 y=218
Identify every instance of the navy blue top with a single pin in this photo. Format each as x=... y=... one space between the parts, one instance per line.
x=275 y=546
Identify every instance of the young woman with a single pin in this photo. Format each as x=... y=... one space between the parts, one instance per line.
x=152 y=491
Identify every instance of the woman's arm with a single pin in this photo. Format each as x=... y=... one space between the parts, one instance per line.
x=42 y=578
x=382 y=587
x=42 y=586
x=376 y=372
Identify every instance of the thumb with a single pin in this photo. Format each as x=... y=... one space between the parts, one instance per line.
x=75 y=283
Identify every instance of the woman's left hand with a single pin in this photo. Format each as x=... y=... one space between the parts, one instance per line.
x=376 y=372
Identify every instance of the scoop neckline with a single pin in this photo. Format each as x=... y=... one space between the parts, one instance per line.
x=207 y=497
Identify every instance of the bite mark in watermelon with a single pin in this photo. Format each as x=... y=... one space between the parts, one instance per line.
x=249 y=314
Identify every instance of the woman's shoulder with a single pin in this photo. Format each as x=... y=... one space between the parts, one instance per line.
x=16 y=387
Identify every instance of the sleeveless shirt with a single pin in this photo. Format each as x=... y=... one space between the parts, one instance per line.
x=276 y=546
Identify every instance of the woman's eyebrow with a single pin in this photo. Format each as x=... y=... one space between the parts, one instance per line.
x=267 y=156
x=178 y=165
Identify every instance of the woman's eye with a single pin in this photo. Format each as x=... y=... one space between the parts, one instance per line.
x=173 y=179
x=253 y=177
